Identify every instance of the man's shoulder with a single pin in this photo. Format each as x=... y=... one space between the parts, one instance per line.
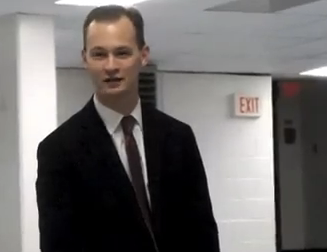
x=170 y=122
x=64 y=132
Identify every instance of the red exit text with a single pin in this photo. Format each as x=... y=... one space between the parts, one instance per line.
x=249 y=105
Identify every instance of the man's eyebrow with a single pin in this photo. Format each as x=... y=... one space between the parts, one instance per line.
x=123 y=48
x=98 y=48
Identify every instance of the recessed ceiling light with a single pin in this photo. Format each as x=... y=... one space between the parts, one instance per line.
x=96 y=3
x=318 y=72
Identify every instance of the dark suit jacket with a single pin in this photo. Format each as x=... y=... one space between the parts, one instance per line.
x=86 y=201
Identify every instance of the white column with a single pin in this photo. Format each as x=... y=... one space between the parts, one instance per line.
x=28 y=112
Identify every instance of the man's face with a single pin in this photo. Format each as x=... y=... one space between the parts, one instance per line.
x=113 y=57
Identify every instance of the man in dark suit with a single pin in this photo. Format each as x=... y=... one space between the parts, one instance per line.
x=120 y=176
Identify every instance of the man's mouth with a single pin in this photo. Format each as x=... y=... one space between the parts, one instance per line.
x=113 y=80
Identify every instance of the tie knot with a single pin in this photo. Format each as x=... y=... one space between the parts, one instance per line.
x=127 y=124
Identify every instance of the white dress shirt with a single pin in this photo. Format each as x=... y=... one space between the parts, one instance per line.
x=112 y=121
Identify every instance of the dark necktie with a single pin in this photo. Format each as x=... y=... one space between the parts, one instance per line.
x=134 y=161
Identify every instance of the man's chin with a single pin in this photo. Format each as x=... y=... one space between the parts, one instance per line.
x=112 y=91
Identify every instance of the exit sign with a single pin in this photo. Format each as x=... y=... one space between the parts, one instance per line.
x=247 y=105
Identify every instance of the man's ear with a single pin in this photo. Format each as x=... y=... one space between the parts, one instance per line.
x=145 y=54
x=83 y=54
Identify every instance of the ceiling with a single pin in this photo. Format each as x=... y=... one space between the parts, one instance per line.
x=185 y=37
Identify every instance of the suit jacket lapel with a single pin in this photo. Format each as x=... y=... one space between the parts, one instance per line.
x=153 y=144
x=100 y=150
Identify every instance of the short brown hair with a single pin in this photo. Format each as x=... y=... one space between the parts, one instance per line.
x=114 y=13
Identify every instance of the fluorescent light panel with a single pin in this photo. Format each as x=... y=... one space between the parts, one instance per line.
x=96 y=3
x=318 y=72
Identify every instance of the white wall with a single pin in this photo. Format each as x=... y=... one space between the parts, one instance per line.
x=291 y=174
x=74 y=89
x=238 y=153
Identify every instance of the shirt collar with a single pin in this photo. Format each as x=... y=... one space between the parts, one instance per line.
x=112 y=118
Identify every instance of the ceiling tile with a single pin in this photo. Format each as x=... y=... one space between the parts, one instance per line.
x=311 y=30
x=258 y=6
x=298 y=66
x=316 y=8
x=310 y=50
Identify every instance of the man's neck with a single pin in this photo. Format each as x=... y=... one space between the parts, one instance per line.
x=122 y=104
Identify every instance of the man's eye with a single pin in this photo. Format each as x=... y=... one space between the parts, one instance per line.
x=98 y=54
x=123 y=54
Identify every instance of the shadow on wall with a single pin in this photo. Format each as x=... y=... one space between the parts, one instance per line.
x=302 y=164
x=306 y=250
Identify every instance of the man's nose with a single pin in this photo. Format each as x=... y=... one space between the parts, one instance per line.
x=110 y=65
